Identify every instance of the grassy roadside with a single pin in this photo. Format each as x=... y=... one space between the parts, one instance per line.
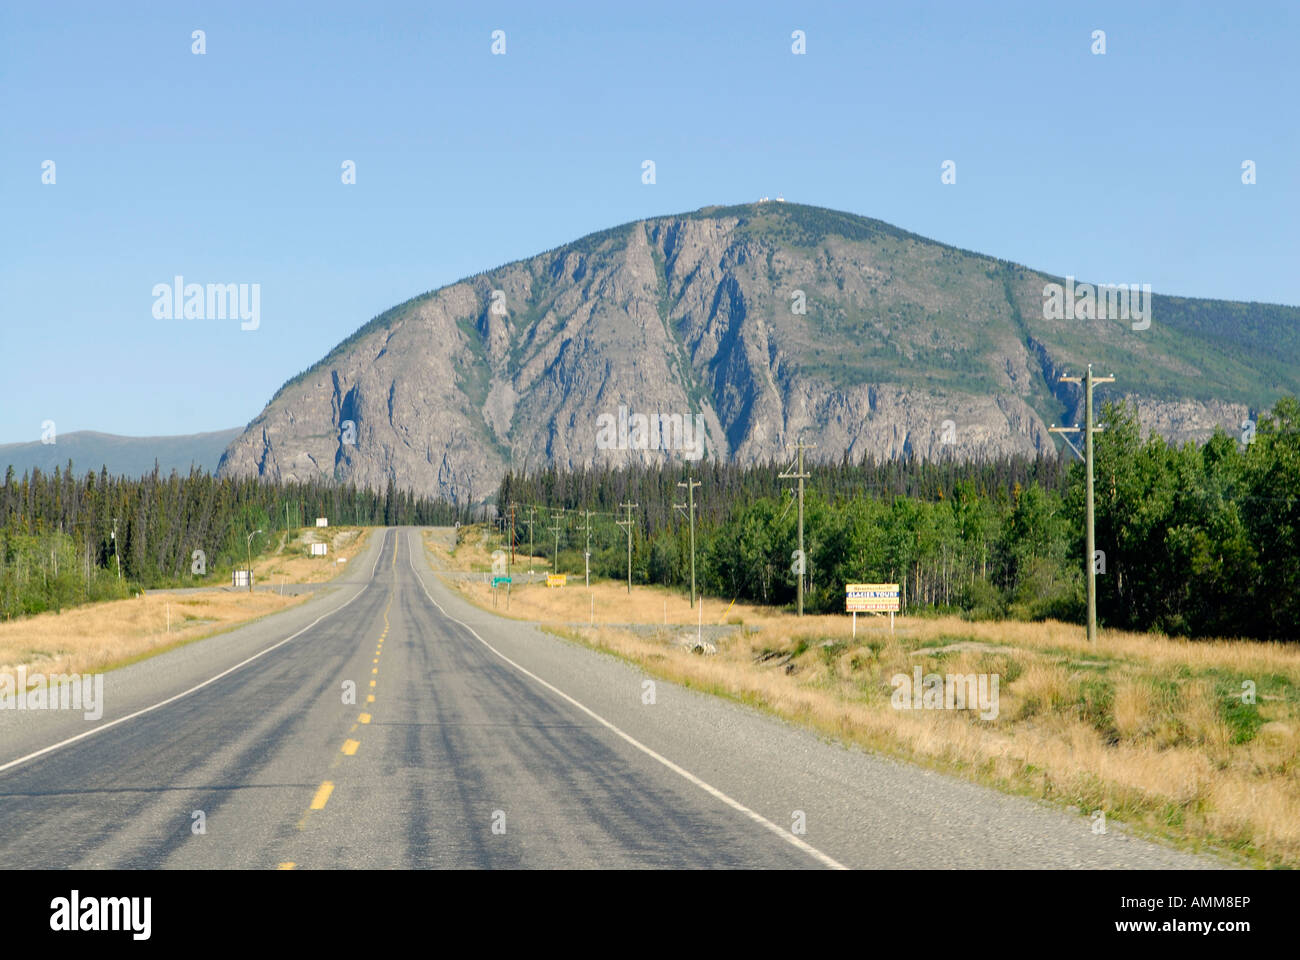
x=1156 y=733
x=98 y=637
x=471 y=551
x=292 y=562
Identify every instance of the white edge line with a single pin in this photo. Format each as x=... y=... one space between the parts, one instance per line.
x=375 y=566
x=758 y=818
x=172 y=699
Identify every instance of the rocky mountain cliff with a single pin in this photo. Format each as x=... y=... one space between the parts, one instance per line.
x=757 y=324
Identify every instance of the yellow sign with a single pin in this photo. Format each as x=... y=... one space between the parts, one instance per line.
x=871 y=598
x=556 y=579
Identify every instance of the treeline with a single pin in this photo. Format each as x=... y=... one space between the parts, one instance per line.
x=1195 y=540
x=63 y=535
x=726 y=484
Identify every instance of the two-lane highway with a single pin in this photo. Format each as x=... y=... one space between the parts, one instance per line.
x=389 y=724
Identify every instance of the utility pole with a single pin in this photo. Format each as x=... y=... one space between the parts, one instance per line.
x=1090 y=560
x=801 y=558
x=586 y=526
x=116 y=555
x=629 y=507
x=249 y=544
x=512 y=536
x=690 y=486
x=510 y=557
x=555 y=529
x=532 y=511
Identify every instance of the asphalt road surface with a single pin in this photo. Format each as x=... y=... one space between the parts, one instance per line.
x=472 y=741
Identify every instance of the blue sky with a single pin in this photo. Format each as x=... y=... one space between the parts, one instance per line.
x=226 y=167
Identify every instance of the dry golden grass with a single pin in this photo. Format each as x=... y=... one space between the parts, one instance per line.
x=99 y=636
x=103 y=635
x=1149 y=729
x=473 y=552
x=292 y=562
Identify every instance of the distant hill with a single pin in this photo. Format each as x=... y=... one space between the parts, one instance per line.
x=131 y=456
x=768 y=321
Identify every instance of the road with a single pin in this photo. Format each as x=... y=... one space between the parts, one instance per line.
x=474 y=742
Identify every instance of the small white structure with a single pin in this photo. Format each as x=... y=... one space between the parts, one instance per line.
x=239 y=578
x=322 y=521
x=318 y=549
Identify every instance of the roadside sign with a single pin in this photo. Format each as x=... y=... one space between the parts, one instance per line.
x=556 y=579
x=322 y=521
x=500 y=581
x=318 y=549
x=871 y=598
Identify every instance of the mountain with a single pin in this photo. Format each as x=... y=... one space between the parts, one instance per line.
x=905 y=346
x=132 y=456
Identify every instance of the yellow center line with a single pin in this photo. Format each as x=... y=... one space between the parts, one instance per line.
x=287 y=865
x=370 y=698
x=350 y=747
x=375 y=670
x=322 y=796
x=372 y=683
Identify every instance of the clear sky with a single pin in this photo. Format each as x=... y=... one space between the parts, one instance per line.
x=225 y=167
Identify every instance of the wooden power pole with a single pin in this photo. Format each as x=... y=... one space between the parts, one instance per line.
x=555 y=529
x=690 y=485
x=1090 y=539
x=586 y=526
x=800 y=558
x=532 y=512
x=627 y=524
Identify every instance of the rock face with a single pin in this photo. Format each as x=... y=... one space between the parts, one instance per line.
x=754 y=324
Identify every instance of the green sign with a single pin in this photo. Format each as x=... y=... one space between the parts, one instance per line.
x=500 y=581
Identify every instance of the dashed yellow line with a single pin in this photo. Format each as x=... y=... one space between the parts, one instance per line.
x=322 y=796
x=350 y=746
x=287 y=865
